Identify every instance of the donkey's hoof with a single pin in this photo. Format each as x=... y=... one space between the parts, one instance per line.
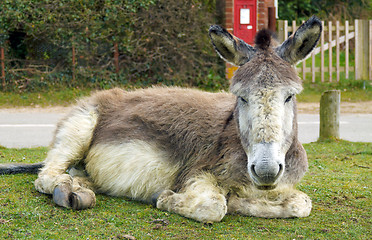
x=82 y=200
x=154 y=198
x=61 y=195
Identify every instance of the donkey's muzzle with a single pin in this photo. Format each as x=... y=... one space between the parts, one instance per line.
x=265 y=165
x=266 y=176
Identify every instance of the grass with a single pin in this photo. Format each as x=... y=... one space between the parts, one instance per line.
x=338 y=181
x=351 y=91
x=60 y=97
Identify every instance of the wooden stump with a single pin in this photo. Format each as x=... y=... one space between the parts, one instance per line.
x=330 y=115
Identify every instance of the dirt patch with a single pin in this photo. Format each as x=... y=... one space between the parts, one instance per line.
x=346 y=107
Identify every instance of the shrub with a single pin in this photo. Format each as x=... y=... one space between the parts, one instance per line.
x=159 y=42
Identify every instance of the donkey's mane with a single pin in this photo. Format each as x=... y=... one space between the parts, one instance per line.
x=263 y=39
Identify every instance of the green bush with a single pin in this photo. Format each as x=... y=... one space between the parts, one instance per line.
x=159 y=42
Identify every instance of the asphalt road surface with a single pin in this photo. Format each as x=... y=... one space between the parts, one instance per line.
x=27 y=129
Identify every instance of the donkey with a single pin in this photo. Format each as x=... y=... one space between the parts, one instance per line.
x=201 y=155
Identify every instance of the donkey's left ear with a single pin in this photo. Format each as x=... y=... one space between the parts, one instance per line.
x=229 y=47
x=302 y=42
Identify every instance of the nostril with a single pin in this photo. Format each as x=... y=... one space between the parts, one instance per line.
x=280 y=168
x=253 y=171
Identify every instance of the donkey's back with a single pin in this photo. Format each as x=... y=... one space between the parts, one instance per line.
x=162 y=115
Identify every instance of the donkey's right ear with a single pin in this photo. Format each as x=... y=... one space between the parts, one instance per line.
x=229 y=47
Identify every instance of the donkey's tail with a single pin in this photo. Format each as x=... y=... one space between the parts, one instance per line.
x=14 y=168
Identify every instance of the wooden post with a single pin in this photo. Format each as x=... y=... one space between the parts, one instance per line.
x=337 y=51
x=313 y=66
x=285 y=29
x=281 y=30
x=330 y=50
x=347 y=49
x=356 y=54
x=330 y=115
x=2 y=57
x=116 y=57
x=304 y=66
x=363 y=50
x=294 y=28
x=370 y=49
x=322 y=53
x=304 y=69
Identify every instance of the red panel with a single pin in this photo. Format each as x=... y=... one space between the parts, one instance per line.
x=245 y=20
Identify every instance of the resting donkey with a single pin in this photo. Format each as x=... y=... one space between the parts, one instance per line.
x=197 y=154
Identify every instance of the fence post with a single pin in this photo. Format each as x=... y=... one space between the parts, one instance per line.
x=322 y=53
x=338 y=51
x=281 y=30
x=303 y=66
x=363 y=50
x=2 y=59
x=347 y=49
x=330 y=115
x=330 y=50
x=370 y=49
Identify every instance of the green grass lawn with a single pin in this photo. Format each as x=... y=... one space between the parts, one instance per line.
x=338 y=181
x=351 y=91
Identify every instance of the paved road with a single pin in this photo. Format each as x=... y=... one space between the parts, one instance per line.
x=27 y=129
x=32 y=129
x=353 y=127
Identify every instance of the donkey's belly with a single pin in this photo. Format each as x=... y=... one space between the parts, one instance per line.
x=135 y=169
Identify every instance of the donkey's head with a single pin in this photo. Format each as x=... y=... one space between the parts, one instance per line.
x=265 y=85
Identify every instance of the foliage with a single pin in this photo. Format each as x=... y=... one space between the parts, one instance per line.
x=330 y=9
x=338 y=183
x=59 y=21
x=170 y=45
x=160 y=42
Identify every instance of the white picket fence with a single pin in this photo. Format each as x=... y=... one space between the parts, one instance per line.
x=339 y=38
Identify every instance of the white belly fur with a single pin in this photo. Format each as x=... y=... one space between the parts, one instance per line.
x=136 y=169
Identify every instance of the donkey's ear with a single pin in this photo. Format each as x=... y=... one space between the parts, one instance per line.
x=302 y=42
x=229 y=47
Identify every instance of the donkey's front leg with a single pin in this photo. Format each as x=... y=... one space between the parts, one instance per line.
x=284 y=203
x=201 y=199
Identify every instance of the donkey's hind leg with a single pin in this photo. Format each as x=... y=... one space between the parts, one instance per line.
x=72 y=140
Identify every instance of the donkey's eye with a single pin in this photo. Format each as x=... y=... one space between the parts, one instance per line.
x=289 y=98
x=243 y=100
